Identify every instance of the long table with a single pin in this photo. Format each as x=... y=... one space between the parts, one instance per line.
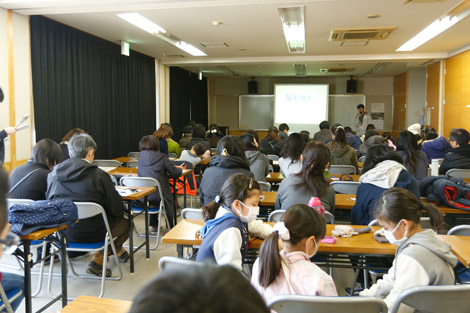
x=97 y=305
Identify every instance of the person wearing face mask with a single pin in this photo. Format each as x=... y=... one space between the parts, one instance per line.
x=230 y=220
x=422 y=258
x=287 y=270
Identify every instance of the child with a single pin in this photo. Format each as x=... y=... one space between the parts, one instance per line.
x=422 y=258
x=289 y=270
x=194 y=155
x=230 y=219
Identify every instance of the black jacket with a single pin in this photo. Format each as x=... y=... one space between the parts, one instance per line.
x=456 y=158
x=222 y=167
x=34 y=187
x=3 y=135
x=270 y=146
x=65 y=152
x=78 y=180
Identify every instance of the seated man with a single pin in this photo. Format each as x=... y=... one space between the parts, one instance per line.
x=324 y=134
x=77 y=179
x=459 y=156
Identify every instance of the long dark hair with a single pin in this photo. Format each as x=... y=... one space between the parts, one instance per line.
x=294 y=146
x=233 y=146
x=236 y=187
x=341 y=139
x=396 y=204
x=377 y=154
x=316 y=156
x=248 y=140
x=273 y=134
x=406 y=142
x=302 y=221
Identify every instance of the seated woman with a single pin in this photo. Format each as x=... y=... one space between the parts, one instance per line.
x=198 y=136
x=290 y=162
x=341 y=152
x=173 y=146
x=422 y=258
x=310 y=182
x=155 y=164
x=272 y=143
x=162 y=134
x=195 y=155
x=230 y=159
x=29 y=181
x=415 y=161
x=371 y=137
x=288 y=270
x=354 y=140
x=382 y=170
x=65 y=142
x=259 y=162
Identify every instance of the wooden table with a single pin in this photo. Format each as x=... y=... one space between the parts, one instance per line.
x=274 y=177
x=84 y=304
x=460 y=247
x=59 y=238
x=269 y=198
x=143 y=192
x=123 y=171
x=125 y=159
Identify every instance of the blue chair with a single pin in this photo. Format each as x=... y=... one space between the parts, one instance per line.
x=7 y=297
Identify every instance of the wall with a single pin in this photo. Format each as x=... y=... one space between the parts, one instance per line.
x=15 y=80
x=416 y=95
x=433 y=95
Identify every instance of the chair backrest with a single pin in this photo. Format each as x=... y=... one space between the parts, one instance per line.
x=114 y=180
x=276 y=215
x=169 y=262
x=10 y=202
x=305 y=304
x=374 y=222
x=141 y=182
x=172 y=155
x=329 y=218
x=107 y=163
x=132 y=163
x=89 y=209
x=425 y=222
x=457 y=172
x=133 y=154
x=435 y=299
x=191 y=214
x=265 y=186
x=461 y=230
x=342 y=169
x=346 y=187
x=273 y=157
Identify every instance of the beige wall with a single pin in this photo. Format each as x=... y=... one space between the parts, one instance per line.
x=416 y=94
x=162 y=82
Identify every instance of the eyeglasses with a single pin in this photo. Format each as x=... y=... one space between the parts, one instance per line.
x=10 y=243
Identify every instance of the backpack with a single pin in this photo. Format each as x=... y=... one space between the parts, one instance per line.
x=29 y=217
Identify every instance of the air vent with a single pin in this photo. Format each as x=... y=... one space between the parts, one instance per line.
x=337 y=69
x=214 y=44
x=300 y=70
x=360 y=34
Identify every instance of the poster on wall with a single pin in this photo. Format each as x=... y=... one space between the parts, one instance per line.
x=378 y=113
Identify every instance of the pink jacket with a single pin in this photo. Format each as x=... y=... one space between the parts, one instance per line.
x=303 y=278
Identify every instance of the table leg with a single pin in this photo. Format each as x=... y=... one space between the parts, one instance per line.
x=146 y=214
x=184 y=190
x=27 y=276
x=63 y=266
x=131 y=234
x=175 y=200
x=179 y=249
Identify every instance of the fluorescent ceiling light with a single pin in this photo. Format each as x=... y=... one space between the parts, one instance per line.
x=294 y=28
x=431 y=31
x=142 y=22
x=190 y=49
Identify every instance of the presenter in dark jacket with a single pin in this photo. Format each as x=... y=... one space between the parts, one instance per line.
x=46 y=154
x=230 y=159
x=459 y=156
x=78 y=179
x=155 y=164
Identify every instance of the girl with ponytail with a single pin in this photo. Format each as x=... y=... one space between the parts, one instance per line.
x=310 y=182
x=288 y=270
x=341 y=152
x=422 y=258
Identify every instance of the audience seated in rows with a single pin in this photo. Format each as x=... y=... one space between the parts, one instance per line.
x=195 y=155
x=306 y=135
x=310 y=182
x=29 y=181
x=390 y=141
x=459 y=156
x=290 y=162
x=187 y=136
x=435 y=147
x=173 y=146
x=214 y=135
x=259 y=162
x=230 y=159
x=198 y=136
x=162 y=134
x=415 y=161
x=65 y=141
x=78 y=179
x=324 y=134
x=341 y=152
x=272 y=143
x=371 y=138
x=283 y=131
x=354 y=140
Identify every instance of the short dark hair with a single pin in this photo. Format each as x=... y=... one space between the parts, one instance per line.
x=360 y=106
x=199 y=131
x=199 y=288
x=431 y=135
x=348 y=129
x=377 y=154
x=254 y=133
x=460 y=136
x=248 y=142
x=370 y=127
x=199 y=148
x=47 y=152
x=370 y=133
x=324 y=125
x=295 y=145
x=187 y=129
x=306 y=135
x=3 y=198
x=149 y=143
x=283 y=127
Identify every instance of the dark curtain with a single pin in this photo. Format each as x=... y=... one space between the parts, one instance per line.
x=188 y=100
x=80 y=80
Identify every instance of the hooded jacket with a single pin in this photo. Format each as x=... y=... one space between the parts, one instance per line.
x=436 y=148
x=423 y=260
x=343 y=155
x=259 y=164
x=372 y=140
x=221 y=168
x=354 y=140
x=323 y=135
x=34 y=187
x=456 y=158
x=78 y=180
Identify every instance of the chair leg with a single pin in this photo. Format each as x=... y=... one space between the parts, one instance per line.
x=6 y=302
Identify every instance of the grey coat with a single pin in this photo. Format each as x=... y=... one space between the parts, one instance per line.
x=259 y=164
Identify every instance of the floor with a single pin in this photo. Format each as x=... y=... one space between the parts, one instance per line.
x=128 y=286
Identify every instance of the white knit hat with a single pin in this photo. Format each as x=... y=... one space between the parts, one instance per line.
x=415 y=129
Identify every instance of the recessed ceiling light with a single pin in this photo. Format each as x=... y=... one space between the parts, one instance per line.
x=242 y=49
x=216 y=23
x=373 y=16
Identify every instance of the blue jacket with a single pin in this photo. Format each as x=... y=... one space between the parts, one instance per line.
x=436 y=149
x=368 y=194
x=354 y=141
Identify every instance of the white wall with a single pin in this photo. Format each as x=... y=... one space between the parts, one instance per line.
x=416 y=94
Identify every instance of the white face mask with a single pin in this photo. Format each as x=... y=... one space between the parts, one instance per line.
x=391 y=238
x=252 y=214
x=306 y=249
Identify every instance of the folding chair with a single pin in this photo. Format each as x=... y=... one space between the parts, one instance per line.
x=148 y=182
x=133 y=164
x=168 y=262
x=461 y=230
x=457 y=172
x=107 y=163
x=173 y=156
x=265 y=186
x=435 y=299
x=273 y=157
x=319 y=304
x=191 y=214
x=8 y=297
x=133 y=155
x=462 y=273
x=345 y=187
x=87 y=210
x=342 y=169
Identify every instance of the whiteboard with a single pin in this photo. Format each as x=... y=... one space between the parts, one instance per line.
x=256 y=112
x=343 y=109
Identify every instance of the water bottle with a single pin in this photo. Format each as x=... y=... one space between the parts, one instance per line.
x=315 y=203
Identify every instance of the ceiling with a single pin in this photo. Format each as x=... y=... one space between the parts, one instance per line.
x=253 y=33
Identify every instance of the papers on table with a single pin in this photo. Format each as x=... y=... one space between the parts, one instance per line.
x=275 y=162
x=107 y=168
x=126 y=191
x=20 y=124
